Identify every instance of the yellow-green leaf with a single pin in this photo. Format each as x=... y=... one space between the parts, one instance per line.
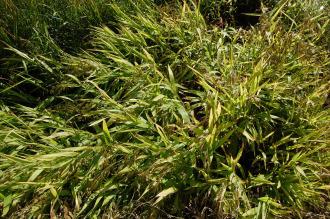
x=165 y=193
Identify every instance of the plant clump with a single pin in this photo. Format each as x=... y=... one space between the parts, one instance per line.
x=165 y=114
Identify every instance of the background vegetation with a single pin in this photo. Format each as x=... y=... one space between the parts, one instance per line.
x=163 y=109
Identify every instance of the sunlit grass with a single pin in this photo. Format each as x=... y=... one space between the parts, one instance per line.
x=166 y=115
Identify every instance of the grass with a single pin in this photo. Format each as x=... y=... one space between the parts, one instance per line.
x=162 y=113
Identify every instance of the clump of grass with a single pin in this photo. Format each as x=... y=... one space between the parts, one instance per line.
x=26 y=23
x=167 y=116
x=42 y=32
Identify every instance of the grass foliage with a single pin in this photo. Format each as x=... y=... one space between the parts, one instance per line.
x=162 y=113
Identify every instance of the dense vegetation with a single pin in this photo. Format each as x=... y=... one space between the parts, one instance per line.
x=163 y=109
